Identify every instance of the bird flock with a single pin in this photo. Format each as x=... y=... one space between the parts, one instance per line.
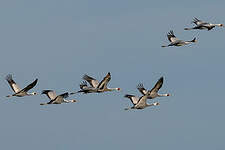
x=91 y=85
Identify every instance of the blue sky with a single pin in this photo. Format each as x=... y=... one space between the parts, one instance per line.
x=59 y=41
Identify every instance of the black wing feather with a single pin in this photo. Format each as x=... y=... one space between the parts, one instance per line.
x=158 y=85
x=30 y=86
x=170 y=35
x=141 y=88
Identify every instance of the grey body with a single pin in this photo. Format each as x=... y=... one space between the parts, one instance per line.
x=17 y=90
x=95 y=86
x=139 y=102
x=87 y=89
x=153 y=93
x=175 y=41
x=56 y=99
x=201 y=25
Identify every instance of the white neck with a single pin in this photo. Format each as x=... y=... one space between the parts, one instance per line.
x=152 y=104
x=112 y=89
x=148 y=105
x=30 y=94
x=163 y=95
x=68 y=101
x=215 y=24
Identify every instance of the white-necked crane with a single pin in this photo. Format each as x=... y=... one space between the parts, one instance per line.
x=174 y=41
x=154 y=91
x=56 y=99
x=140 y=102
x=95 y=86
x=17 y=90
x=201 y=25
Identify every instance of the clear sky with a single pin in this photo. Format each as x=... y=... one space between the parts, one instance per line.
x=59 y=41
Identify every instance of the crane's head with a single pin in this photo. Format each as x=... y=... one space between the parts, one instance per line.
x=156 y=103
x=34 y=93
x=73 y=101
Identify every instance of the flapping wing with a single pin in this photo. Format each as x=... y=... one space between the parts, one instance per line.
x=64 y=95
x=134 y=99
x=30 y=86
x=141 y=88
x=12 y=83
x=92 y=81
x=83 y=85
x=142 y=100
x=105 y=81
x=171 y=37
x=50 y=93
x=59 y=98
x=157 y=86
x=197 y=21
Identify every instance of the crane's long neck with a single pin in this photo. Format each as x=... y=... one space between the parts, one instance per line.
x=163 y=95
x=148 y=105
x=31 y=94
x=69 y=101
x=219 y=25
x=112 y=89
x=152 y=104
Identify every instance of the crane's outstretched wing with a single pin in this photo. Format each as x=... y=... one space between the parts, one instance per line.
x=171 y=37
x=92 y=81
x=142 y=100
x=83 y=85
x=50 y=93
x=30 y=86
x=134 y=99
x=141 y=88
x=157 y=86
x=197 y=21
x=59 y=98
x=12 y=83
x=105 y=81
